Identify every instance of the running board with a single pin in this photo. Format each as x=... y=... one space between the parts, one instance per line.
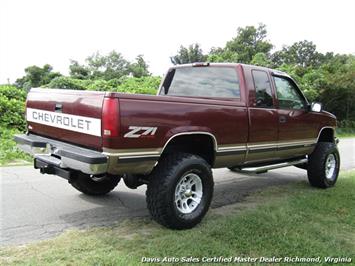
x=265 y=168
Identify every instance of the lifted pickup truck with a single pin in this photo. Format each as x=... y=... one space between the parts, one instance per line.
x=243 y=117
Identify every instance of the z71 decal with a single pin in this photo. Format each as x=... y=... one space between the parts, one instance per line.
x=137 y=132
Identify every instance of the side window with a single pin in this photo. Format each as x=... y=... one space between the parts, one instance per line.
x=263 y=93
x=288 y=95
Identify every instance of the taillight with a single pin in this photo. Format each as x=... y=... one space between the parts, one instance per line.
x=110 y=118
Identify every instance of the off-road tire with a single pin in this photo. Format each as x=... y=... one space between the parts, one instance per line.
x=162 y=186
x=89 y=186
x=317 y=165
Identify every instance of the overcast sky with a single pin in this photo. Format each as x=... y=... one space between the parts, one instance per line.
x=36 y=32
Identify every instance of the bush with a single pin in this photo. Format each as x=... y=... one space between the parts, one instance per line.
x=8 y=149
x=143 y=85
x=12 y=110
x=12 y=107
x=66 y=83
x=12 y=92
x=99 y=85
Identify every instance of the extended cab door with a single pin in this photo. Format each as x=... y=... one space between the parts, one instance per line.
x=297 y=126
x=263 y=116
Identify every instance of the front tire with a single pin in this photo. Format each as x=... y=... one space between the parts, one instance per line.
x=323 y=165
x=180 y=190
x=94 y=186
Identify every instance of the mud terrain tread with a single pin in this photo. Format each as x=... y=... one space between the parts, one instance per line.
x=160 y=187
x=316 y=165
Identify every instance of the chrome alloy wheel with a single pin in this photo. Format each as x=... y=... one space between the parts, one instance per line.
x=330 y=165
x=188 y=193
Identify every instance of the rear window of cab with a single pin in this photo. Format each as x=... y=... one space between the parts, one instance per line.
x=216 y=82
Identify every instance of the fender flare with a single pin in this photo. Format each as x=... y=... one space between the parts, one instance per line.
x=323 y=128
x=215 y=145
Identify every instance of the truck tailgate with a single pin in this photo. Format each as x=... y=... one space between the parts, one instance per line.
x=67 y=115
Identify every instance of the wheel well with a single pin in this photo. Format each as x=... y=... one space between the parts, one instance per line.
x=198 y=144
x=326 y=135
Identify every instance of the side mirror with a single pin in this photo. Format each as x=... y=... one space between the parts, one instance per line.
x=316 y=107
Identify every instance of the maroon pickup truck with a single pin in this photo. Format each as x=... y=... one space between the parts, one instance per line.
x=243 y=117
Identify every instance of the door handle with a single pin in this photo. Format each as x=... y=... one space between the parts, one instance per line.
x=282 y=119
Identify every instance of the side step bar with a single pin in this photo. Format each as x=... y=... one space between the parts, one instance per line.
x=265 y=168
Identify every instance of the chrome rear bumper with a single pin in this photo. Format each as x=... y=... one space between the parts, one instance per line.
x=66 y=155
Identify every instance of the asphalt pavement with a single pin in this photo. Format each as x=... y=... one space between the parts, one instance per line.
x=35 y=206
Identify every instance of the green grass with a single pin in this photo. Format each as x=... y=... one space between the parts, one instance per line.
x=346 y=135
x=292 y=220
x=345 y=132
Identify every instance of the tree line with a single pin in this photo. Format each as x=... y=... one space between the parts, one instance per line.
x=96 y=67
x=325 y=77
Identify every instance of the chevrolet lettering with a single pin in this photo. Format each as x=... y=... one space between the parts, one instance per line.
x=242 y=117
x=77 y=123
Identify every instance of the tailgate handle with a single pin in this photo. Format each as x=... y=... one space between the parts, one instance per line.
x=58 y=107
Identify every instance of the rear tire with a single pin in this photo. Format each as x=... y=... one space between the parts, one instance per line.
x=94 y=186
x=323 y=165
x=180 y=190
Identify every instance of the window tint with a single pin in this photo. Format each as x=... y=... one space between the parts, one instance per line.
x=202 y=82
x=288 y=95
x=263 y=94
